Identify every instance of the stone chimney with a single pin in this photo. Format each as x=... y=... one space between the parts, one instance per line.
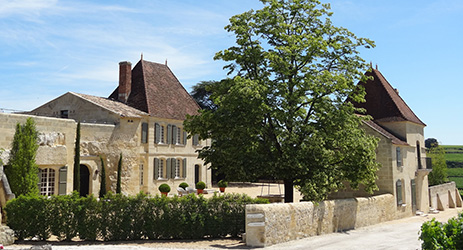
x=125 y=81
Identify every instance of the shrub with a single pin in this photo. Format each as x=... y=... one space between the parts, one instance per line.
x=437 y=235
x=118 y=217
x=164 y=188
x=222 y=183
x=200 y=185
x=183 y=185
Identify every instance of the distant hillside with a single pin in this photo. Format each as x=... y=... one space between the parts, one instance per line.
x=454 y=156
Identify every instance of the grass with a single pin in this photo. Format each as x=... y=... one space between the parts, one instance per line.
x=458 y=181
x=453 y=152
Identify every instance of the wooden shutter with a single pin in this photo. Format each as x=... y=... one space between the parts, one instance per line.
x=174 y=134
x=63 y=173
x=172 y=169
x=168 y=167
x=144 y=132
x=157 y=133
x=196 y=140
x=185 y=136
x=184 y=168
x=156 y=168
x=169 y=134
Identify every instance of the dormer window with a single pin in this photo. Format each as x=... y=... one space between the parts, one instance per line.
x=64 y=114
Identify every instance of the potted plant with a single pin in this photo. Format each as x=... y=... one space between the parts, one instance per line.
x=164 y=189
x=200 y=186
x=183 y=185
x=222 y=185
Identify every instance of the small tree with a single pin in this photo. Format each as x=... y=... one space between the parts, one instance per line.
x=119 y=170
x=103 y=179
x=77 y=160
x=431 y=143
x=438 y=174
x=22 y=171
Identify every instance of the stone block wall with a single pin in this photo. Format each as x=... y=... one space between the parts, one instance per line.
x=444 y=196
x=268 y=224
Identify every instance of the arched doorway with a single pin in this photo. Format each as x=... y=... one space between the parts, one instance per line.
x=84 y=180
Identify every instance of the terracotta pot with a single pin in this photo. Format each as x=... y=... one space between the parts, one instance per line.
x=164 y=193
x=200 y=191
x=222 y=189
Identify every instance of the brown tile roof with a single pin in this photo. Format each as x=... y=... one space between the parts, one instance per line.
x=112 y=106
x=156 y=90
x=383 y=103
x=394 y=139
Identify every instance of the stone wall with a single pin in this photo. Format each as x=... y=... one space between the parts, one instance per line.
x=444 y=196
x=268 y=224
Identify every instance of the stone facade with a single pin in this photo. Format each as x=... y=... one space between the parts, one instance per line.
x=268 y=224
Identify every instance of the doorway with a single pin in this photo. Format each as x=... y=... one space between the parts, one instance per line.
x=197 y=179
x=84 y=180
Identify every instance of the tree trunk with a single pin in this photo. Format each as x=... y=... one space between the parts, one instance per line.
x=289 y=191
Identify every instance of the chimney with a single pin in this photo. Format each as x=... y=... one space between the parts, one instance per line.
x=125 y=81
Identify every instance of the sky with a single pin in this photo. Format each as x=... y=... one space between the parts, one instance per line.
x=50 y=47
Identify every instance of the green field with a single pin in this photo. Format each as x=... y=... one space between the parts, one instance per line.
x=453 y=153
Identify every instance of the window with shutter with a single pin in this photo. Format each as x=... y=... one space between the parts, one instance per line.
x=184 y=168
x=185 y=137
x=398 y=187
x=174 y=134
x=63 y=172
x=196 y=140
x=169 y=134
x=168 y=167
x=399 y=157
x=47 y=181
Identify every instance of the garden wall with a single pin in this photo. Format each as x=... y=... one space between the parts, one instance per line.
x=444 y=196
x=268 y=224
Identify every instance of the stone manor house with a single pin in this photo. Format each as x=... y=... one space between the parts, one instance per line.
x=143 y=120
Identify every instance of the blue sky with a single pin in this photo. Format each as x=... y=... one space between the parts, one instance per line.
x=50 y=47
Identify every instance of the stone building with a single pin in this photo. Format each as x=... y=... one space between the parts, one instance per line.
x=142 y=120
x=400 y=151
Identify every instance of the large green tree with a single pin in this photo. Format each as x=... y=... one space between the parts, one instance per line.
x=22 y=170
x=283 y=112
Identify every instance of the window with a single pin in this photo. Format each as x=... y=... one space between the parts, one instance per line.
x=64 y=114
x=159 y=168
x=179 y=132
x=196 y=140
x=144 y=133
x=177 y=169
x=413 y=190
x=174 y=134
x=398 y=187
x=159 y=133
x=399 y=157
x=47 y=181
x=141 y=174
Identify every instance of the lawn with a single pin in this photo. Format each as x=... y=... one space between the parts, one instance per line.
x=455 y=172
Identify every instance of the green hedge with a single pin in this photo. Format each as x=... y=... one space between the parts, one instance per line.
x=118 y=217
x=437 y=235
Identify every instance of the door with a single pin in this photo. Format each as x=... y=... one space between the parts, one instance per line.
x=413 y=187
x=84 y=180
x=197 y=179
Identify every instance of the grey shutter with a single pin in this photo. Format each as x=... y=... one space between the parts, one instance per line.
x=184 y=168
x=156 y=168
x=157 y=133
x=185 y=136
x=168 y=167
x=144 y=132
x=196 y=140
x=169 y=134
x=63 y=173
x=174 y=134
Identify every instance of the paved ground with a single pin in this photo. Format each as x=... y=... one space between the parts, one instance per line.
x=398 y=234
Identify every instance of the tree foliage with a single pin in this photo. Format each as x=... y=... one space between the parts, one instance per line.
x=438 y=174
x=102 y=179
x=77 y=160
x=202 y=94
x=284 y=113
x=22 y=171
x=431 y=143
x=119 y=173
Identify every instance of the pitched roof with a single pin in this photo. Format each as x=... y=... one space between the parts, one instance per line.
x=383 y=102
x=112 y=106
x=156 y=90
x=394 y=139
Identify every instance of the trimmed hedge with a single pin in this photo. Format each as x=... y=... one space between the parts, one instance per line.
x=437 y=235
x=118 y=217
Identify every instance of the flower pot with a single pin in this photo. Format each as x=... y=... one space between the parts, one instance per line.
x=200 y=191
x=164 y=193
x=222 y=189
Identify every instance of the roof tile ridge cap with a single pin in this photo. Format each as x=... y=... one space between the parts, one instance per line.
x=181 y=85
x=392 y=89
x=144 y=86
